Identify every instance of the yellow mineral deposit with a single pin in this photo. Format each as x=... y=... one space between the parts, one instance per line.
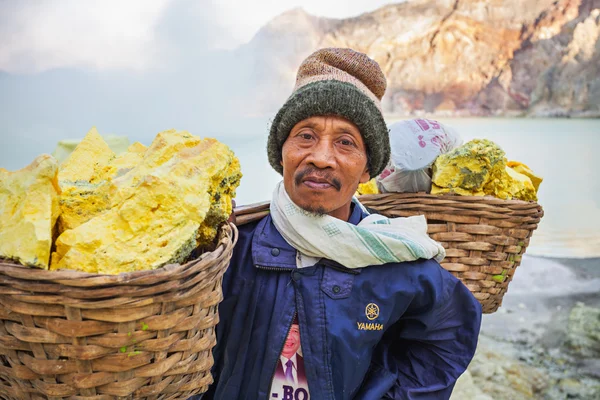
x=369 y=187
x=525 y=170
x=28 y=211
x=160 y=209
x=163 y=148
x=479 y=168
x=223 y=186
x=118 y=144
x=83 y=179
x=125 y=162
x=469 y=167
x=520 y=185
x=435 y=189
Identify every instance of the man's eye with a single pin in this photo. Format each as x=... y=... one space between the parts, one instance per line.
x=306 y=136
x=346 y=142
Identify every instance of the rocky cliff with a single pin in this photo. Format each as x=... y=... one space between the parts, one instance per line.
x=450 y=57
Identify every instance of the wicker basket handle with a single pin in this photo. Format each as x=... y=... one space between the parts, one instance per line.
x=251 y=212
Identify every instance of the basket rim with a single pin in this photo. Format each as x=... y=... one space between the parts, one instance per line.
x=448 y=196
x=228 y=236
x=251 y=212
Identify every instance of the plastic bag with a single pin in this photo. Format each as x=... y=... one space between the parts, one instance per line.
x=415 y=145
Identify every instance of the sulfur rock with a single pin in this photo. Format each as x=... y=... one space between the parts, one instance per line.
x=435 y=189
x=525 y=170
x=28 y=211
x=83 y=179
x=118 y=144
x=470 y=166
x=479 y=168
x=369 y=187
x=126 y=161
x=521 y=186
x=160 y=210
x=163 y=148
x=222 y=192
x=510 y=185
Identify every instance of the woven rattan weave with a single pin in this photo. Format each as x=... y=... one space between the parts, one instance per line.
x=139 y=335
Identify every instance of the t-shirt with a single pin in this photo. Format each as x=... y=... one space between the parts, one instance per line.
x=289 y=381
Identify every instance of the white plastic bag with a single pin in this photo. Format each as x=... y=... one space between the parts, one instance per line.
x=415 y=145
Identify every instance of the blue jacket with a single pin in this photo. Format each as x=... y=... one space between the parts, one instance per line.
x=413 y=344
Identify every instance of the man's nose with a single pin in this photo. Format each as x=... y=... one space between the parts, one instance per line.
x=322 y=155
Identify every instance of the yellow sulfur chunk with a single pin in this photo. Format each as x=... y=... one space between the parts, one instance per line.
x=510 y=185
x=88 y=159
x=520 y=186
x=435 y=189
x=83 y=181
x=479 y=168
x=525 y=170
x=158 y=209
x=118 y=144
x=470 y=166
x=28 y=211
x=126 y=161
x=222 y=191
x=162 y=149
x=369 y=187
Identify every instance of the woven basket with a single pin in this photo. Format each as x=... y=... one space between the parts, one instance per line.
x=139 y=335
x=484 y=237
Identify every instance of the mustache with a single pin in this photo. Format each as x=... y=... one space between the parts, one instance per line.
x=319 y=173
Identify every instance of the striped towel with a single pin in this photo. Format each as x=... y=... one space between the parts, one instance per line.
x=375 y=240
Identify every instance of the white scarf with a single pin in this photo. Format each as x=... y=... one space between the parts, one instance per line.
x=375 y=240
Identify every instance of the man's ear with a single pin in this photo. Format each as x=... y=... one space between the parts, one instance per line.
x=281 y=162
x=365 y=177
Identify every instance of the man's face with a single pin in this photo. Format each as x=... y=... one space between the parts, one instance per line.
x=292 y=343
x=324 y=159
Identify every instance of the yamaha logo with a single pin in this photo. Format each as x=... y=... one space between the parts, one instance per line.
x=372 y=311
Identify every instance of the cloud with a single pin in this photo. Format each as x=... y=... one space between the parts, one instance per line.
x=137 y=34
x=134 y=35
x=107 y=34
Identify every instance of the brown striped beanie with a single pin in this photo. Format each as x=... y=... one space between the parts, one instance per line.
x=340 y=82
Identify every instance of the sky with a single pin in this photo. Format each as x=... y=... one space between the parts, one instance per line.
x=115 y=34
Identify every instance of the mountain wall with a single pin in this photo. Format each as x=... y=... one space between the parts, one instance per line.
x=449 y=57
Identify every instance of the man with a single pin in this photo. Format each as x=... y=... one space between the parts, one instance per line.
x=378 y=317
x=289 y=373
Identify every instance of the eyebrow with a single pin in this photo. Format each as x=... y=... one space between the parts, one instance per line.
x=347 y=130
x=343 y=129
x=311 y=125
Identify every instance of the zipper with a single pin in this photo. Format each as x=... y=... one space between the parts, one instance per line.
x=281 y=349
x=289 y=328
x=273 y=268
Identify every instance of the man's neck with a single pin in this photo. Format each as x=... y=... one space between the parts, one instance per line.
x=343 y=212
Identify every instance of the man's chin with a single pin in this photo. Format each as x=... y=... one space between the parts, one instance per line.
x=313 y=203
x=316 y=210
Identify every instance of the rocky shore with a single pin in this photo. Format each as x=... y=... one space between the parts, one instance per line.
x=449 y=58
x=544 y=342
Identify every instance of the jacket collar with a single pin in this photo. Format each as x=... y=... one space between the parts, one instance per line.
x=269 y=248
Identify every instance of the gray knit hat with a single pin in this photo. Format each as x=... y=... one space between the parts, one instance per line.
x=340 y=82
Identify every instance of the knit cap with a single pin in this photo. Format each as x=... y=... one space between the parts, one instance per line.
x=342 y=82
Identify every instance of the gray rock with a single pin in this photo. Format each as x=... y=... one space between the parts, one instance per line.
x=583 y=334
x=501 y=377
x=466 y=389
